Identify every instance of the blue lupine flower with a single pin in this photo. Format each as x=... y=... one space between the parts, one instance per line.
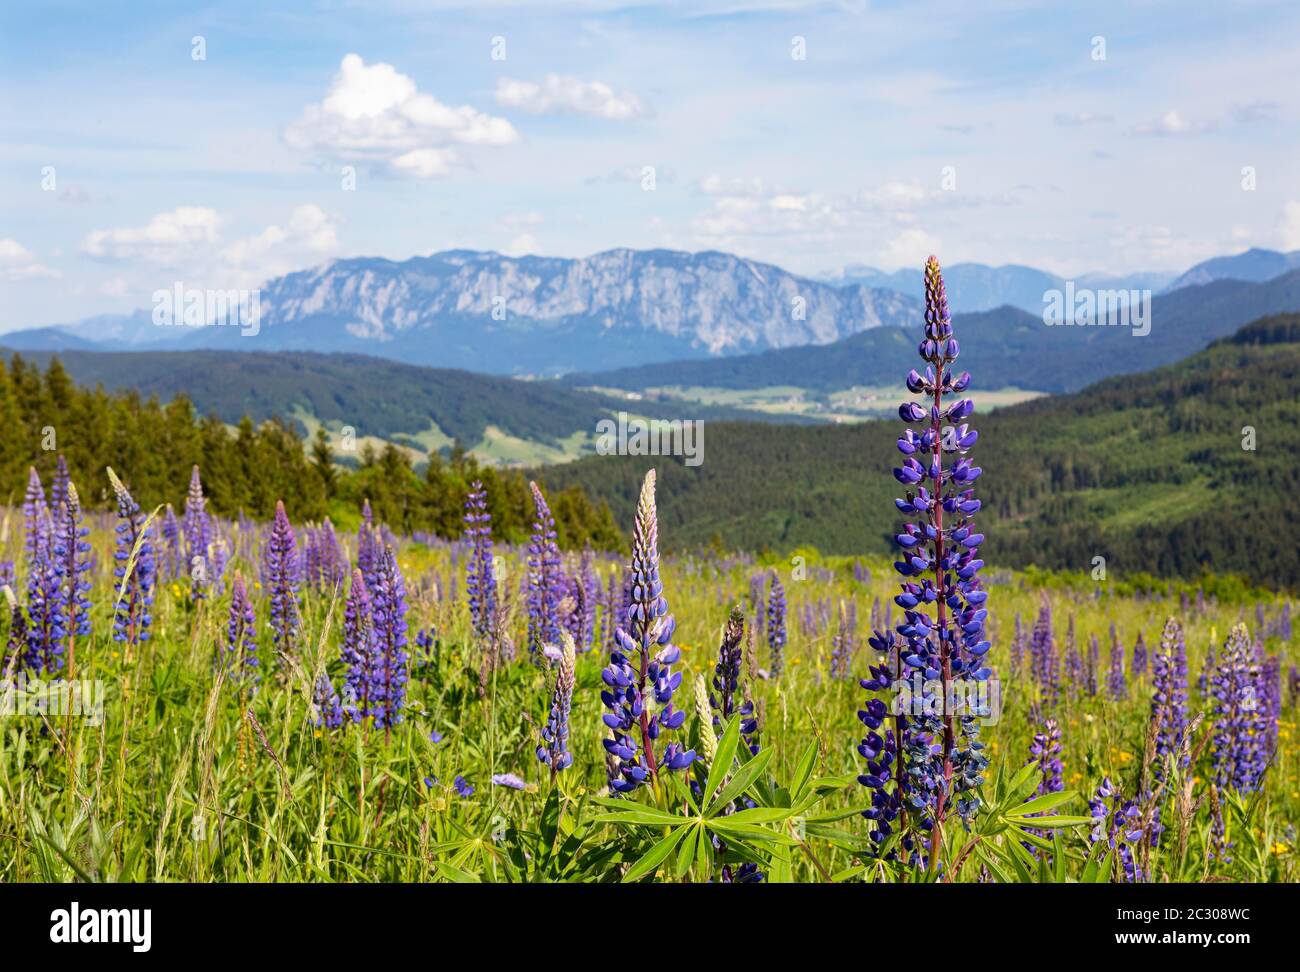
x=642 y=662
x=1169 y=698
x=198 y=534
x=554 y=750
x=132 y=615
x=545 y=590
x=240 y=657
x=776 y=633
x=282 y=581
x=389 y=610
x=480 y=576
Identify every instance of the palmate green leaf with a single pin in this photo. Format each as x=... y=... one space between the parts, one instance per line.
x=760 y=815
x=686 y=852
x=656 y=855
x=729 y=830
x=739 y=783
x=626 y=813
x=723 y=759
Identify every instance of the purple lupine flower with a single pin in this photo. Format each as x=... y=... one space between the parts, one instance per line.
x=511 y=781
x=554 y=750
x=842 y=647
x=1271 y=707
x=364 y=678
x=1139 y=657
x=641 y=661
x=726 y=699
x=132 y=614
x=776 y=631
x=281 y=561
x=1116 y=684
x=1074 y=667
x=71 y=564
x=544 y=580
x=369 y=548
x=757 y=601
x=171 y=534
x=59 y=487
x=45 y=603
x=1044 y=663
x=1017 y=650
x=1046 y=751
x=240 y=657
x=942 y=755
x=328 y=711
x=480 y=579
x=1118 y=824
x=389 y=611
x=197 y=529
x=1236 y=751
x=13 y=657
x=328 y=567
x=1169 y=696
x=35 y=514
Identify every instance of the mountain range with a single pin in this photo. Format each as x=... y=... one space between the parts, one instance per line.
x=1002 y=348
x=623 y=308
x=526 y=315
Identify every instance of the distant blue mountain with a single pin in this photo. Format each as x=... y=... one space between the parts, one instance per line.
x=1255 y=266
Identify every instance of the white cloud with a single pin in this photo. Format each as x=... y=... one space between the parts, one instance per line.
x=522 y=245
x=910 y=248
x=1289 y=228
x=19 y=263
x=1172 y=123
x=374 y=113
x=310 y=235
x=557 y=95
x=187 y=242
x=168 y=238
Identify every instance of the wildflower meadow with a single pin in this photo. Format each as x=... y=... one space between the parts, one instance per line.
x=191 y=697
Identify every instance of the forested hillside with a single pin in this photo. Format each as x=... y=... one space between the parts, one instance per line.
x=152 y=445
x=1153 y=472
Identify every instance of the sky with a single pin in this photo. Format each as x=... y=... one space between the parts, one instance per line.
x=223 y=144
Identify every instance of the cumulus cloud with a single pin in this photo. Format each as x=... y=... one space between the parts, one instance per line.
x=375 y=114
x=559 y=95
x=1172 y=123
x=19 y=263
x=167 y=238
x=188 y=242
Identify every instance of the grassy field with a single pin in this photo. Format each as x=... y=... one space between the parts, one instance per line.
x=193 y=776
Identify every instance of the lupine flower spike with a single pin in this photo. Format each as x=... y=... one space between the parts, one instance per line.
x=642 y=662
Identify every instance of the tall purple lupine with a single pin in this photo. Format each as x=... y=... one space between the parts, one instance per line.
x=1092 y=667
x=59 y=486
x=727 y=699
x=281 y=562
x=324 y=566
x=940 y=564
x=172 y=535
x=45 y=605
x=480 y=577
x=1139 y=656
x=240 y=656
x=545 y=590
x=363 y=681
x=1237 y=751
x=776 y=631
x=388 y=604
x=554 y=750
x=134 y=552
x=842 y=646
x=1169 y=695
x=1116 y=684
x=35 y=514
x=1044 y=660
x=71 y=556
x=1118 y=825
x=197 y=528
x=642 y=661
x=370 y=549
x=1045 y=750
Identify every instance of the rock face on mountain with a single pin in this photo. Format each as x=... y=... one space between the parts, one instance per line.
x=532 y=315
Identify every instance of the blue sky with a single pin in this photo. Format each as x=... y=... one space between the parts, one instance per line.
x=128 y=164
